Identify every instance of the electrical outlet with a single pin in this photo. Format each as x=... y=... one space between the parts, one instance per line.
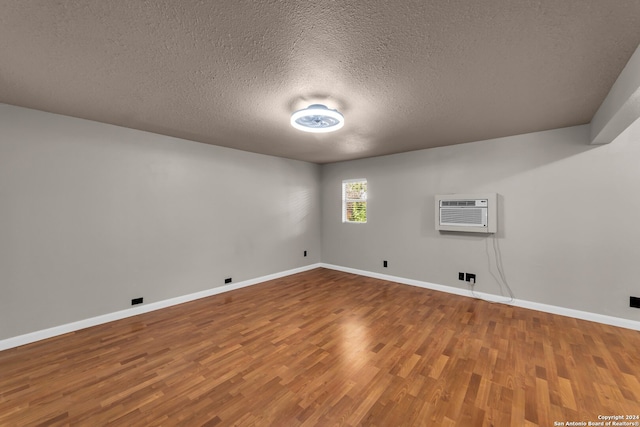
x=136 y=301
x=460 y=276
x=305 y=253
x=634 y=302
x=384 y=264
x=470 y=277
x=227 y=280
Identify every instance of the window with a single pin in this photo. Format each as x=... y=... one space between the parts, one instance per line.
x=354 y=200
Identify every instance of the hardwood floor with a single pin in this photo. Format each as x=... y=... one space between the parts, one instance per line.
x=326 y=348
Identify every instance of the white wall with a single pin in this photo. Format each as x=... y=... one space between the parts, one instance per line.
x=568 y=217
x=93 y=215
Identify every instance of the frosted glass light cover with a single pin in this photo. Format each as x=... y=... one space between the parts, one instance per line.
x=317 y=118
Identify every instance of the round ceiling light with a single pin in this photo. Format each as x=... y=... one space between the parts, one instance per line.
x=318 y=119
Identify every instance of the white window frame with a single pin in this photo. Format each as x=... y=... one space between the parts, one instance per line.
x=345 y=200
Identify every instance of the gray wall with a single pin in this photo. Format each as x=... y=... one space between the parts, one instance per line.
x=92 y=215
x=569 y=230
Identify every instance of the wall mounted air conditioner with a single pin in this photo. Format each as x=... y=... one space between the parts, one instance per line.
x=470 y=213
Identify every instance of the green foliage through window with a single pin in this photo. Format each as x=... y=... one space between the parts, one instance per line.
x=354 y=201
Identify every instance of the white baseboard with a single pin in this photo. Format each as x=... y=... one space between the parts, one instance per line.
x=568 y=312
x=110 y=317
x=134 y=311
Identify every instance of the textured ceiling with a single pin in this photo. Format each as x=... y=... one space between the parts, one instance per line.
x=406 y=74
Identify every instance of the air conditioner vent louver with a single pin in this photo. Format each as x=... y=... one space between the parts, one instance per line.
x=472 y=216
x=458 y=203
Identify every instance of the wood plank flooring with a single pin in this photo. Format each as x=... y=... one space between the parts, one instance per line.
x=325 y=348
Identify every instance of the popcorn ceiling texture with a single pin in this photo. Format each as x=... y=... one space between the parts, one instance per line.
x=406 y=74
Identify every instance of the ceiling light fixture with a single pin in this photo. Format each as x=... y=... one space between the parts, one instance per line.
x=318 y=119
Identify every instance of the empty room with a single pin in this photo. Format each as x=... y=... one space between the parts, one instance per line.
x=285 y=213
